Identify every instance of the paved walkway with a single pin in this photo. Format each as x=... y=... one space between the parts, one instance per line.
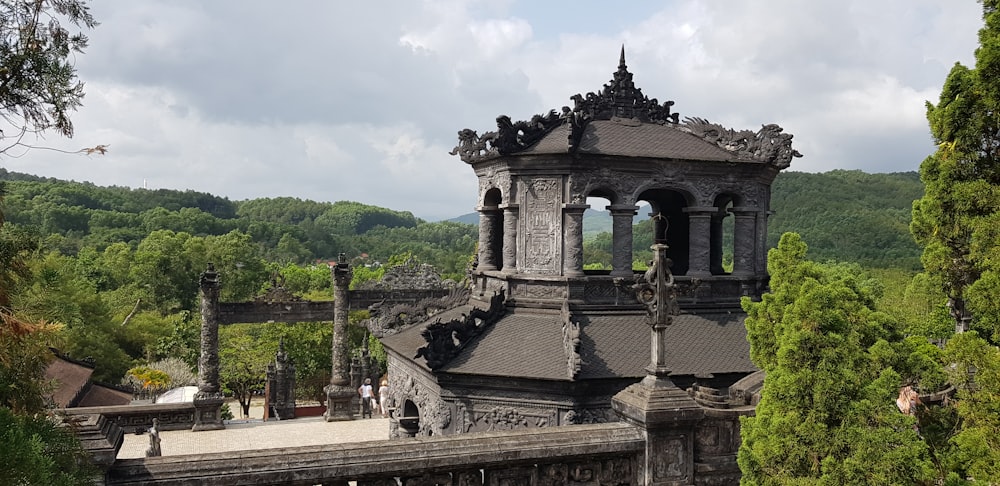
x=256 y=434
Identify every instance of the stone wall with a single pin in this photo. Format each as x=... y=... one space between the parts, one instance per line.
x=605 y=454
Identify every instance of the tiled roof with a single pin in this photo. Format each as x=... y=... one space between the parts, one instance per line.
x=529 y=344
x=70 y=378
x=104 y=396
x=408 y=341
x=608 y=137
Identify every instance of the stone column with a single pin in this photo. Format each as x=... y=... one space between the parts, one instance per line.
x=339 y=392
x=208 y=400
x=573 y=239
x=667 y=414
x=744 y=240
x=510 y=214
x=621 y=244
x=488 y=216
x=717 y=235
x=700 y=240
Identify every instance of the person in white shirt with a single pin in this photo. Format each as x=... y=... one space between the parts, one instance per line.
x=366 y=393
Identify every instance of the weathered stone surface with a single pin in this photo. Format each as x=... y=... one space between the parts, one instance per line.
x=606 y=450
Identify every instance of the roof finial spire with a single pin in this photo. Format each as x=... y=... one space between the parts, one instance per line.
x=621 y=61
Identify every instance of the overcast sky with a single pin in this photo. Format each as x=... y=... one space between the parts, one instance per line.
x=361 y=101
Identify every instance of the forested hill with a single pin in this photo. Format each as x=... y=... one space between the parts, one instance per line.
x=849 y=215
x=73 y=215
x=842 y=215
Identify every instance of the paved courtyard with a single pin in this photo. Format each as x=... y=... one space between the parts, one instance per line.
x=256 y=434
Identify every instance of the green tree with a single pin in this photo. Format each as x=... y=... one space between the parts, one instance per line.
x=956 y=221
x=38 y=84
x=243 y=358
x=976 y=372
x=827 y=413
x=35 y=451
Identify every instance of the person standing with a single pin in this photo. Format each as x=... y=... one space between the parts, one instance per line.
x=366 y=393
x=383 y=398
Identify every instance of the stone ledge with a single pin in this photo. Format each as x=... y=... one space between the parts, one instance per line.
x=385 y=459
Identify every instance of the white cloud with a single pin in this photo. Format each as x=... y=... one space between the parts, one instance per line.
x=361 y=101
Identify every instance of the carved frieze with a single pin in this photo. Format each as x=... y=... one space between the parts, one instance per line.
x=541 y=225
x=582 y=415
x=538 y=290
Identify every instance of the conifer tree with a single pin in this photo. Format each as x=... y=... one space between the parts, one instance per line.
x=827 y=413
x=958 y=219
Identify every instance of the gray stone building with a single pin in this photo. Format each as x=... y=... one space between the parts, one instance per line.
x=539 y=341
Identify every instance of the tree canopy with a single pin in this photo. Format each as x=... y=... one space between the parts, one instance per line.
x=39 y=88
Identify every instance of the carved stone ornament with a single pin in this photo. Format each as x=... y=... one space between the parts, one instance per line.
x=510 y=137
x=385 y=322
x=446 y=339
x=621 y=100
x=768 y=145
x=277 y=292
x=571 y=341
x=411 y=274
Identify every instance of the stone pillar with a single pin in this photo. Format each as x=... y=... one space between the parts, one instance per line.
x=488 y=229
x=700 y=240
x=717 y=235
x=573 y=239
x=510 y=214
x=339 y=392
x=621 y=244
x=744 y=241
x=667 y=414
x=208 y=400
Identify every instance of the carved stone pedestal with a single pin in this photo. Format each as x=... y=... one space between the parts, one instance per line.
x=208 y=411
x=669 y=417
x=338 y=403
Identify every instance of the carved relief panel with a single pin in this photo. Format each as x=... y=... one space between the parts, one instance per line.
x=538 y=238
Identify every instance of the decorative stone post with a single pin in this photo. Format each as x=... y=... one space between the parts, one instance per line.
x=510 y=213
x=700 y=240
x=573 y=239
x=744 y=240
x=339 y=393
x=208 y=400
x=665 y=412
x=621 y=244
x=488 y=219
x=281 y=384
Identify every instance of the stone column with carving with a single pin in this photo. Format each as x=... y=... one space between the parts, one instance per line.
x=573 y=239
x=667 y=414
x=208 y=400
x=488 y=229
x=744 y=240
x=700 y=240
x=621 y=244
x=510 y=214
x=717 y=233
x=339 y=392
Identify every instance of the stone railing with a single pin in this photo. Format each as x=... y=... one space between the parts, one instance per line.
x=617 y=454
x=133 y=418
x=605 y=454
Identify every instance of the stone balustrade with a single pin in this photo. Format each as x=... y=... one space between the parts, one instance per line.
x=594 y=454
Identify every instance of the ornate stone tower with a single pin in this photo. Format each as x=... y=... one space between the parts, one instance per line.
x=541 y=341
